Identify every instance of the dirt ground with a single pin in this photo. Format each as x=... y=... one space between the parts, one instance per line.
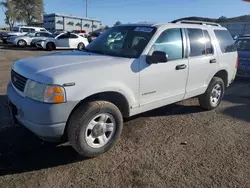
x=175 y=146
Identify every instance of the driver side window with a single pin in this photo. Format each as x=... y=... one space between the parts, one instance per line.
x=64 y=36
x=170 y=41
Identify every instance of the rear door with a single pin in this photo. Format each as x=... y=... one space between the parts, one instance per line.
x=73 y=41
x=203 y=62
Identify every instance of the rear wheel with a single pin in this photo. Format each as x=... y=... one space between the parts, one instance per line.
x=213 y=95
x=94 y=128
x=21 y=43
x=50 y=46
x=80 y=46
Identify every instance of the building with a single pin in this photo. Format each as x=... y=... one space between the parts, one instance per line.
x=53 y=22
x=237 y=28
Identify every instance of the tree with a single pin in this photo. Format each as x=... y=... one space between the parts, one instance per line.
x=31 y=10
x=11 y=16
x=118 y=23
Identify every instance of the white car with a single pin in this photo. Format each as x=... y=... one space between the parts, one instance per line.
x=63 y=41
x=26 y=40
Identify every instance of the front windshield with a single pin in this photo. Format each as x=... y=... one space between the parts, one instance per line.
x=54 y=35
x=15 y=29
x=243 y=44
x=122 y=41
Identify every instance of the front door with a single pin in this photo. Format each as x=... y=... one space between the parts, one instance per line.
x=164 y=83
x=202 y=62
x=62 y=41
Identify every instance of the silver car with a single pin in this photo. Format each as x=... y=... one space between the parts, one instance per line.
x=27 y=39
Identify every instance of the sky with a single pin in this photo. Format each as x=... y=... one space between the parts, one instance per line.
x=110 y=11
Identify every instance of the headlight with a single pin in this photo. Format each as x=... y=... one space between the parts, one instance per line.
x=45 y=93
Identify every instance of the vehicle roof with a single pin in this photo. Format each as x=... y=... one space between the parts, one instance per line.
x=159 y=25
x=31 y=27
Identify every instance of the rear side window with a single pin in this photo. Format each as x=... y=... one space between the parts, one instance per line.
x=72 y=36
x=208 y=43
x=26 y=30
x=32 y=30
x=225 y=40
x=170 y=41
x=197 y=44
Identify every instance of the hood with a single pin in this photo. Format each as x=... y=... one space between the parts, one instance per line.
x=46 y=68
x=35 y=39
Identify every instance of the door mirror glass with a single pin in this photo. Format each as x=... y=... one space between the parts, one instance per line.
x=157 y=57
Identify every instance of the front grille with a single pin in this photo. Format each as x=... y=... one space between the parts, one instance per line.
x=18 y=80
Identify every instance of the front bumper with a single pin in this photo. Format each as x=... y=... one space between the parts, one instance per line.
x=40 y=45
x=47 y=121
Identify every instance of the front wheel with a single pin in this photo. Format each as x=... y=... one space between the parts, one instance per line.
x=213 y=95
x=21 y=43
x=50 y=46
x=94 y=128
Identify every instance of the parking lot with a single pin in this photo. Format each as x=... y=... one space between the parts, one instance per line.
x=175 y=146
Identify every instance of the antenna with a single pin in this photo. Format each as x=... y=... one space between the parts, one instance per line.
x=86 y=7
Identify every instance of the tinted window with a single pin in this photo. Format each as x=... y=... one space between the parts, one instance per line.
x=72 y=36
x=32 y=30
x=170 y=41
x=225 y=40
x=24 y=30
x=197 y=44
x=131 y=41
x=208 y=43
x=42 y=29
x=243 y=44
x=38 y=34
x=47 y=35
x=64 y=36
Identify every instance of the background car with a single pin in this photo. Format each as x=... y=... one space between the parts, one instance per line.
x=243 y=48
x=20 y=31
x=92 y=36
x=26 y=40
x=63 y=41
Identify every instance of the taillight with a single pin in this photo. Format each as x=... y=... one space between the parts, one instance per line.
x=237 y=62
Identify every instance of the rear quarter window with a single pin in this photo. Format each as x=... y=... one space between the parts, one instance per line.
x=225 y=41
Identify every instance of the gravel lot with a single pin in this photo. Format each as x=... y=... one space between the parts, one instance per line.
x=175 y=146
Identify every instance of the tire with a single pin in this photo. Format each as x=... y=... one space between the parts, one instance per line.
x=207 y=100
x=21 y=43
x=80 y=46
x=50 y=46
x=4 y=41
x=78 y=130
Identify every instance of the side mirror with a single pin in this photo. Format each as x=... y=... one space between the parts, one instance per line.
x=157 y=57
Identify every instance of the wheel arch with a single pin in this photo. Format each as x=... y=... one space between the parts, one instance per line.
x=223 y=74
x=114 y=97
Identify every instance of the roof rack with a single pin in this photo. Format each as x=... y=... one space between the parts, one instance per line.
x=197 y=22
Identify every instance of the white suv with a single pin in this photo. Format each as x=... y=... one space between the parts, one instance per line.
x=86 y=94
